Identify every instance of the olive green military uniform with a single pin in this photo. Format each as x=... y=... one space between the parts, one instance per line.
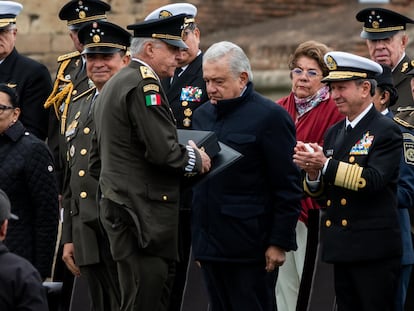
x=402 y=84
x=81 y=225
x=71 y=80
x=141 y=164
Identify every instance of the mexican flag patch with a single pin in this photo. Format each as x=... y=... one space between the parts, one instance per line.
x=153 y=100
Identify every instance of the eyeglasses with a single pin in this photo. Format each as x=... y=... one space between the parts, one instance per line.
x=311 y=74
x=5 y=107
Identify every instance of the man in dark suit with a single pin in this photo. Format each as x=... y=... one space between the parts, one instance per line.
x=139 y=162
x=186 y=91
x=244 y=218
x=356 y=176
x=386 y=39
x=30 y=78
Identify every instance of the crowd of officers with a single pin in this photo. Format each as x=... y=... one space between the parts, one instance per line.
x=87 y=128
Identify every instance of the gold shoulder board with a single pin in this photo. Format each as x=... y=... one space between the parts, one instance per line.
x=61 y=58
x=84 y=93
x=147 y=72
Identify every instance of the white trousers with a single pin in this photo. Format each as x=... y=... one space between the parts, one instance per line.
x=290 y=273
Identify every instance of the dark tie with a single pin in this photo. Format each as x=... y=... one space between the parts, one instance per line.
x=177 y=73
x=348 y=129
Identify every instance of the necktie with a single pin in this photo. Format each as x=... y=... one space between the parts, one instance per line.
x=348 y=129
x=177 y=73
x=93 y=102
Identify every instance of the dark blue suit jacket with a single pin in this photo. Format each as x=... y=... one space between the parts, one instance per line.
x=255 y=202
x=33 y=85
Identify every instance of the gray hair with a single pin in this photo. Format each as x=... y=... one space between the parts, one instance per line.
x=137 y=44
x=238 y=61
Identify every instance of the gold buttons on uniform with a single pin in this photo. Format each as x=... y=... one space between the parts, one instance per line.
x=74 y=92
x=81 y=173
x=328 y=223
x=328 y=203
x=83 y=195
x=344 y=223
x=343 y=202
x=351 y=159
x=86 y=130
x=184 y=103
x=164 y=198
x=83 y=151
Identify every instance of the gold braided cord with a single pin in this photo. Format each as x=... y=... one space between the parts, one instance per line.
x=105 y=44
x=394 y=28
x=345 y=75
x=86 y=19
x=165 y=36
x=56 y=98
x=68 y=88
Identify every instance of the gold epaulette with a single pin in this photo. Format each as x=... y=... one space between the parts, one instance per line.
x=61 y=58
x=405 y=116
x=84 y=93
x=146 y=73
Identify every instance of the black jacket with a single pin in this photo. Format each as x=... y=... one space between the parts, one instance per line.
x=33 y=84
x=254 y=203
x=20 y=284
x=27 y=176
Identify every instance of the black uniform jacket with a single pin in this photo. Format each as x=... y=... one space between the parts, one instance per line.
x=33 y=84
x=187 y=92
x=360 y=221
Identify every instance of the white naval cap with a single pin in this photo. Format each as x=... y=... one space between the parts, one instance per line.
x=174 y=9
x=8 y=12
x=346 y=66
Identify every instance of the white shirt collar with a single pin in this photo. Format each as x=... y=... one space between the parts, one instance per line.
x=359 y=117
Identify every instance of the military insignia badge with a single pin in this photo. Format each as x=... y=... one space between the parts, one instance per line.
x=331 y=63
x=153 y=100
x=151 y=87
x=72 y=151
x=147 y=72
x=165 y=13
x=191 y=93
x=363 y=145
x=409 y=152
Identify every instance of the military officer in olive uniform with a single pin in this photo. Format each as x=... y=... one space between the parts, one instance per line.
x=86 y=247
x=186 y=91
x=71 y=79
x=139 y=162
x=357 y=173
x=386 y=39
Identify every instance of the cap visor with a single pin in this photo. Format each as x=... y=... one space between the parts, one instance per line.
x=331 y=79
x=177 y=43
x=100 y=50
x=377 y=35
x=14 y=217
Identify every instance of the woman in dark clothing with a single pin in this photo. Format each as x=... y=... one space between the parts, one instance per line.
x=27 y=176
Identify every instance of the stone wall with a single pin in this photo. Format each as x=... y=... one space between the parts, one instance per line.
x=43 y=36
